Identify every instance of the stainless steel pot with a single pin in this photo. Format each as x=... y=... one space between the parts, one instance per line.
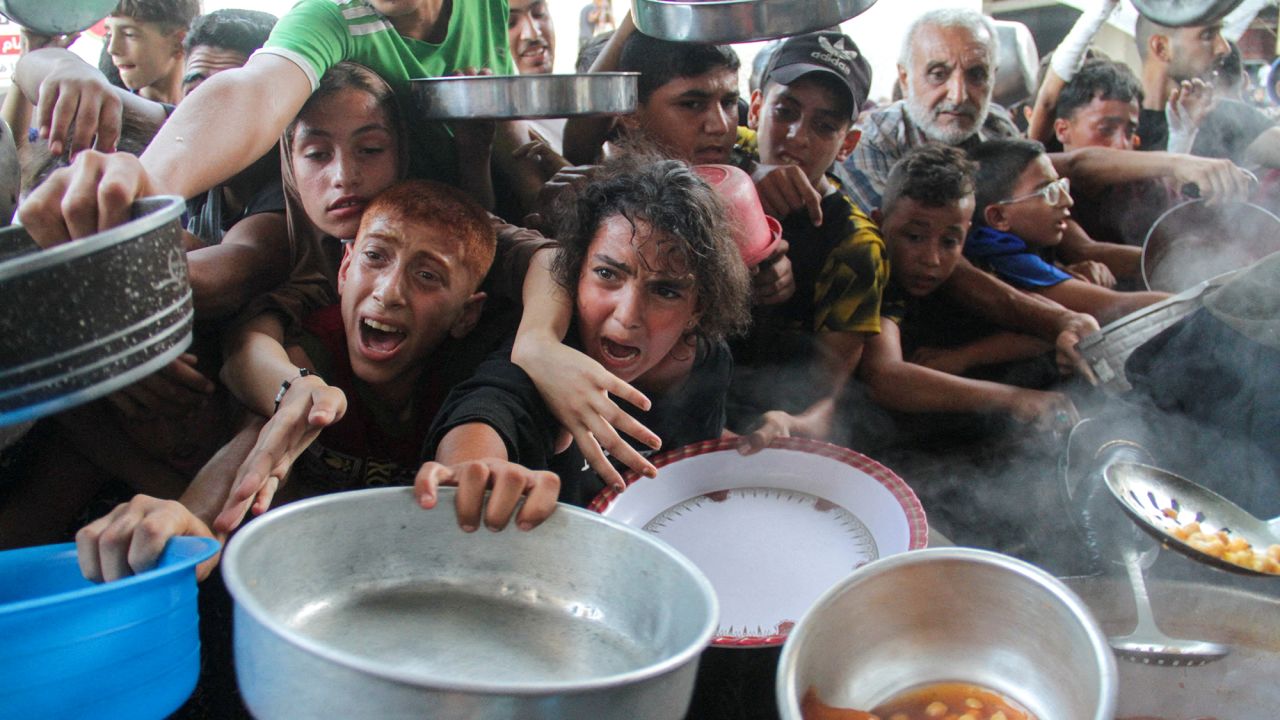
x=362 y=604
x=1195 y=241
x=90 y=316
x=732 y=21
x=504 y=97
x=56 y=17
x=1241 y=685
x=1017 y=64
x=1181 y=13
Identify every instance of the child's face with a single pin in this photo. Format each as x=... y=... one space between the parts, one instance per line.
x=633 y=307
x=1101 y=123
x=694 y=119
x=404 y=289
x=925 y=242
x=801 y=124
x=1031 y=217
x=142 y=51
x=344 y=153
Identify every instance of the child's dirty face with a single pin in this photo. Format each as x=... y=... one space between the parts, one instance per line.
x=1031 y=216
x=925 y=242
x=1101 y=123
x=695 y=119
x=142 y=51
x=404 y=289
x=633 y=306
x=344 y=153
x=801 y=124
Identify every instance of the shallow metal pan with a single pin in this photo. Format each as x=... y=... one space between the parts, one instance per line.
x=91 y=316
x=506 y=97
x=1195 y=241
x=731 y=21
x=56 y=17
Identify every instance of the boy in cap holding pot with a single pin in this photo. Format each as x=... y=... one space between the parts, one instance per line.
x=802 y=117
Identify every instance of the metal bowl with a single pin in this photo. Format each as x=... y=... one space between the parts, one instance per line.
x=1182 y=13
x=361 y=604
x=1195 y=241
x=56 y=17
x=950 y=615
x=506 y=97
x=88 y=317
x=1017 y=65
x=1240 y=685
x=732 y=21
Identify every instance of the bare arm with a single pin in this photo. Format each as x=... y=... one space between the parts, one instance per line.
x=269 y=89
x=1001 y=347
x=1094 y=169
x=252 y=258
x=1264 y=151
x=1040 y=127
x=1104 y=304
x=584 y=137
x=257 y=363
x=1124 y=261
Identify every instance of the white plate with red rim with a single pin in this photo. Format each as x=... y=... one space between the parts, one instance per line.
x=774 y=530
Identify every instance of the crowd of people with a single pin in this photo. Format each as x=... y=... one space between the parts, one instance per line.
x=535 y=307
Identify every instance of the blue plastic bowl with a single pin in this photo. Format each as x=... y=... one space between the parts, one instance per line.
x=73 y=648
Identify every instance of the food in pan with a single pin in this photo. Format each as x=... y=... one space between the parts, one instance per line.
x=1225 y=546
x=938 y=701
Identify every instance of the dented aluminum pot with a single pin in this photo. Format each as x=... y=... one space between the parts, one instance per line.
x=90 y=316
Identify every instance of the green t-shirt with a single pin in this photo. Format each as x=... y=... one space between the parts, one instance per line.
x=318 y=34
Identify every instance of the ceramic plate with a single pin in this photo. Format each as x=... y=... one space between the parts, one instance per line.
x=772 y=531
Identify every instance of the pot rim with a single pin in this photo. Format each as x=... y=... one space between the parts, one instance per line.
x=168 y=208
x=245 y=600
x=787 y=695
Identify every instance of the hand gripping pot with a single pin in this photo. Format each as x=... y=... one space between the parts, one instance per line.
x=946 y=615
x=756 y=234
x=72 y=648
x=90 y=316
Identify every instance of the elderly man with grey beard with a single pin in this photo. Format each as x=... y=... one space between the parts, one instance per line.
x=946 y=69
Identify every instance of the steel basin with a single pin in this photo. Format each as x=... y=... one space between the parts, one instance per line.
x=56 y=17
x=733 y=21
x=1241 y=685
x=362 y=604
x=950 y=615
x=504 y=97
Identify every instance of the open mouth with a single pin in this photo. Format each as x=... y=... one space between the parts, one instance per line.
x=380 y=337
x=617 y=352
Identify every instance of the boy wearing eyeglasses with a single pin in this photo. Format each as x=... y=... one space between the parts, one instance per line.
x=1021 y=214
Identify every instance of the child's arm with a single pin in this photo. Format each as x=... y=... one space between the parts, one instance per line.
x=584 y=137
x=993 y=349
x=907 y=387
x=1104 y=304
x=575 y=388
x=473 y=457
x=252 y=258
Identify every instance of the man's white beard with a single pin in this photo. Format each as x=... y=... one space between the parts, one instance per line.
x=923 y=118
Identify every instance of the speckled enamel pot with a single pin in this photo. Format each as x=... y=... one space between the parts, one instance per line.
x=85 y=318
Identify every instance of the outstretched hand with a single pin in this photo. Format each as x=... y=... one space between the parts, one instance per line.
x=307 y=408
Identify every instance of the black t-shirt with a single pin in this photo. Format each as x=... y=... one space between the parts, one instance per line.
x=502 y=396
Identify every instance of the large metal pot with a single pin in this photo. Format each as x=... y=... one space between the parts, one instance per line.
x=1195 y=241
x=733 y=21
x=1242 y=685
x=90 y=316
x=361 y=604
x=56 y=17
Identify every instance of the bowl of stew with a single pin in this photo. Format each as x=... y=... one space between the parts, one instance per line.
x=948 y=632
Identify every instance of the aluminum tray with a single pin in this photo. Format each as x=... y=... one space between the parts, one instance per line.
x=731 y=21
x=506 y=97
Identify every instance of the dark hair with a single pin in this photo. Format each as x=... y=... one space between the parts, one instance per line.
x=661 y=61
x=169 y=14
x=1098 y=80
x=1231 y=69
x=427 y=202
x=1000 y=162
x=241 y=30
x=669 y=197
x=591 y=50
x=932 y=175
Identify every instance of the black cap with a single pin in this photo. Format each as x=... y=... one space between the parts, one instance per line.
x=832 y=53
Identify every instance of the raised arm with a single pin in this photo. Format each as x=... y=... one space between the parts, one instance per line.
x=1094 y=169
x=584 y=137
x=1067 y=59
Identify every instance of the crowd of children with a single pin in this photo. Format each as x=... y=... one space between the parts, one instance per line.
x=365 y=318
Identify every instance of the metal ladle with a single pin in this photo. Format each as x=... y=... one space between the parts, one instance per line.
x=1147 y=644
x=1161 y=502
